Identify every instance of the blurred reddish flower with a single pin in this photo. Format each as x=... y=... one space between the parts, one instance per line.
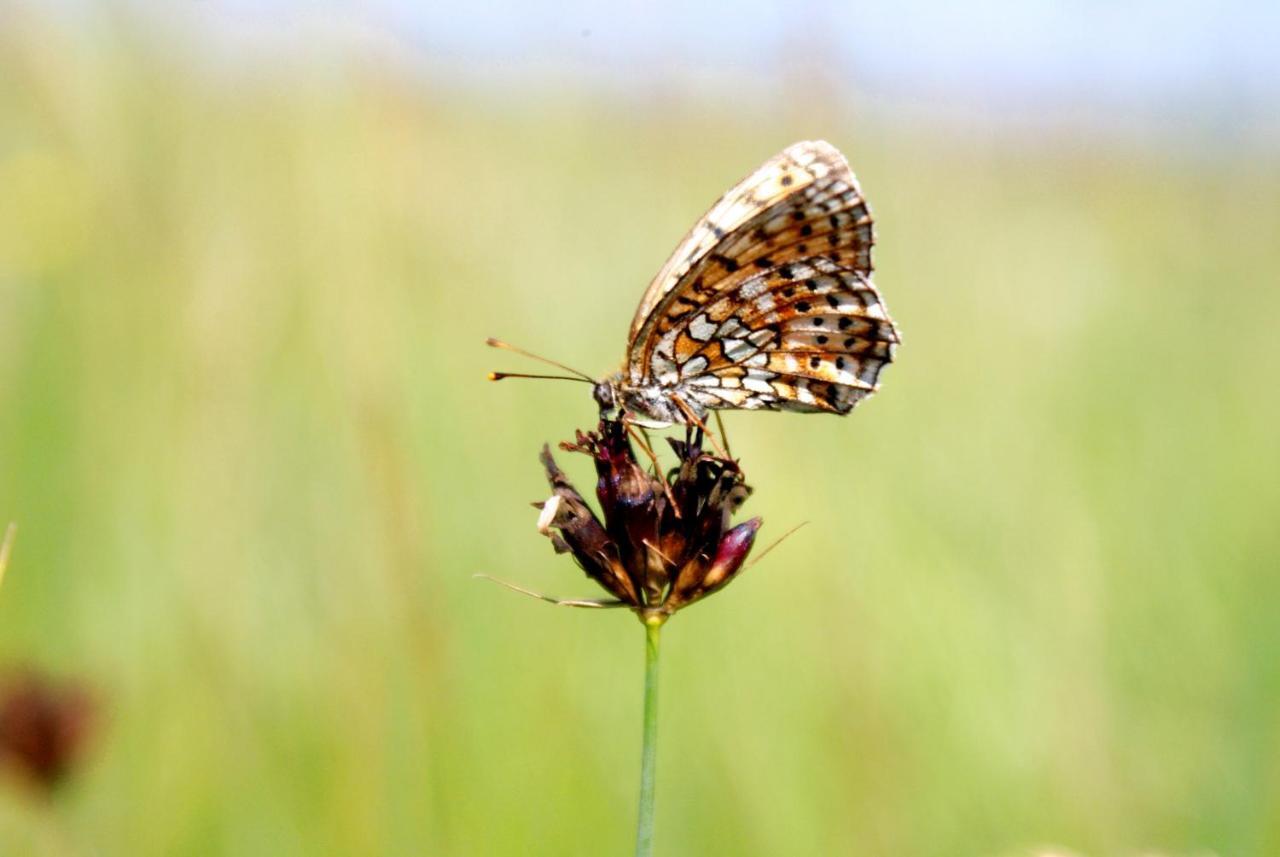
x=43 y=726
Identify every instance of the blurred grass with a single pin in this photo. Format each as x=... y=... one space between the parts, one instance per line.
x=244 y=429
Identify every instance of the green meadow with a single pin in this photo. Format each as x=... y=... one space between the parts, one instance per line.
x=246 y=434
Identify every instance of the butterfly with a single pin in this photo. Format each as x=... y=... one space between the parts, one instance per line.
x=767 y=303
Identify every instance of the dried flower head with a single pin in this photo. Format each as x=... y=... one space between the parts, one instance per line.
x=664 y=543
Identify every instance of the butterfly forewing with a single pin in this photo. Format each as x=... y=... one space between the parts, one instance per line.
x=774 y=180
x=768 y=301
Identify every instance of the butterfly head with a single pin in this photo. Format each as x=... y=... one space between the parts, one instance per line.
x=608 y=398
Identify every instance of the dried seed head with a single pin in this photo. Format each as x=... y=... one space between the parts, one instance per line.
x=664 y=543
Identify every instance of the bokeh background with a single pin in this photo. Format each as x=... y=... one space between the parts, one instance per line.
x=248 y=257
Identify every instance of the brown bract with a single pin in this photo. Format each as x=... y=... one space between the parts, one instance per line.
x=663 y=543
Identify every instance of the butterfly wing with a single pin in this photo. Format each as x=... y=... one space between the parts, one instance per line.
x=811 y=335
x=768 y=301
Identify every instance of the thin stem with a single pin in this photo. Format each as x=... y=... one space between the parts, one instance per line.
x=649 y=753
x=5 y=547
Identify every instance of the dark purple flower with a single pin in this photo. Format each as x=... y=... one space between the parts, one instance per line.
x=663 y=543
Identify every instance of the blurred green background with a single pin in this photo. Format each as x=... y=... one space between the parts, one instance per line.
x=245 y=431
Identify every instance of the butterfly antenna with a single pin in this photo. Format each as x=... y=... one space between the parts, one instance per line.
x=498 y=376
x=498 y=343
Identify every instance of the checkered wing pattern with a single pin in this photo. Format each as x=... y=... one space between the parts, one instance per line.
x=768 y=301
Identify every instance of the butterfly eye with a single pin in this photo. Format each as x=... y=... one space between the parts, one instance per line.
x=604 y=397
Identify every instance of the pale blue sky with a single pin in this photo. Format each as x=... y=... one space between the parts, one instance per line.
x=1189 y=59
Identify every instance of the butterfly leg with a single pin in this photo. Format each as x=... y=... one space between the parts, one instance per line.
x=693 y=436
x=648 y=445
x=641 y=437
x=694 y=419
x=723 y=435
x=653 y=457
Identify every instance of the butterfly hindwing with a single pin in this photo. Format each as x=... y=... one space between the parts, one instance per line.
x=810 y=333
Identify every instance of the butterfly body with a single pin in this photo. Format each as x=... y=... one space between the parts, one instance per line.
x=650 y=405
x=767 y=303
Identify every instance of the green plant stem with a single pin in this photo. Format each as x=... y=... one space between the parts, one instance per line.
x=649 y=753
